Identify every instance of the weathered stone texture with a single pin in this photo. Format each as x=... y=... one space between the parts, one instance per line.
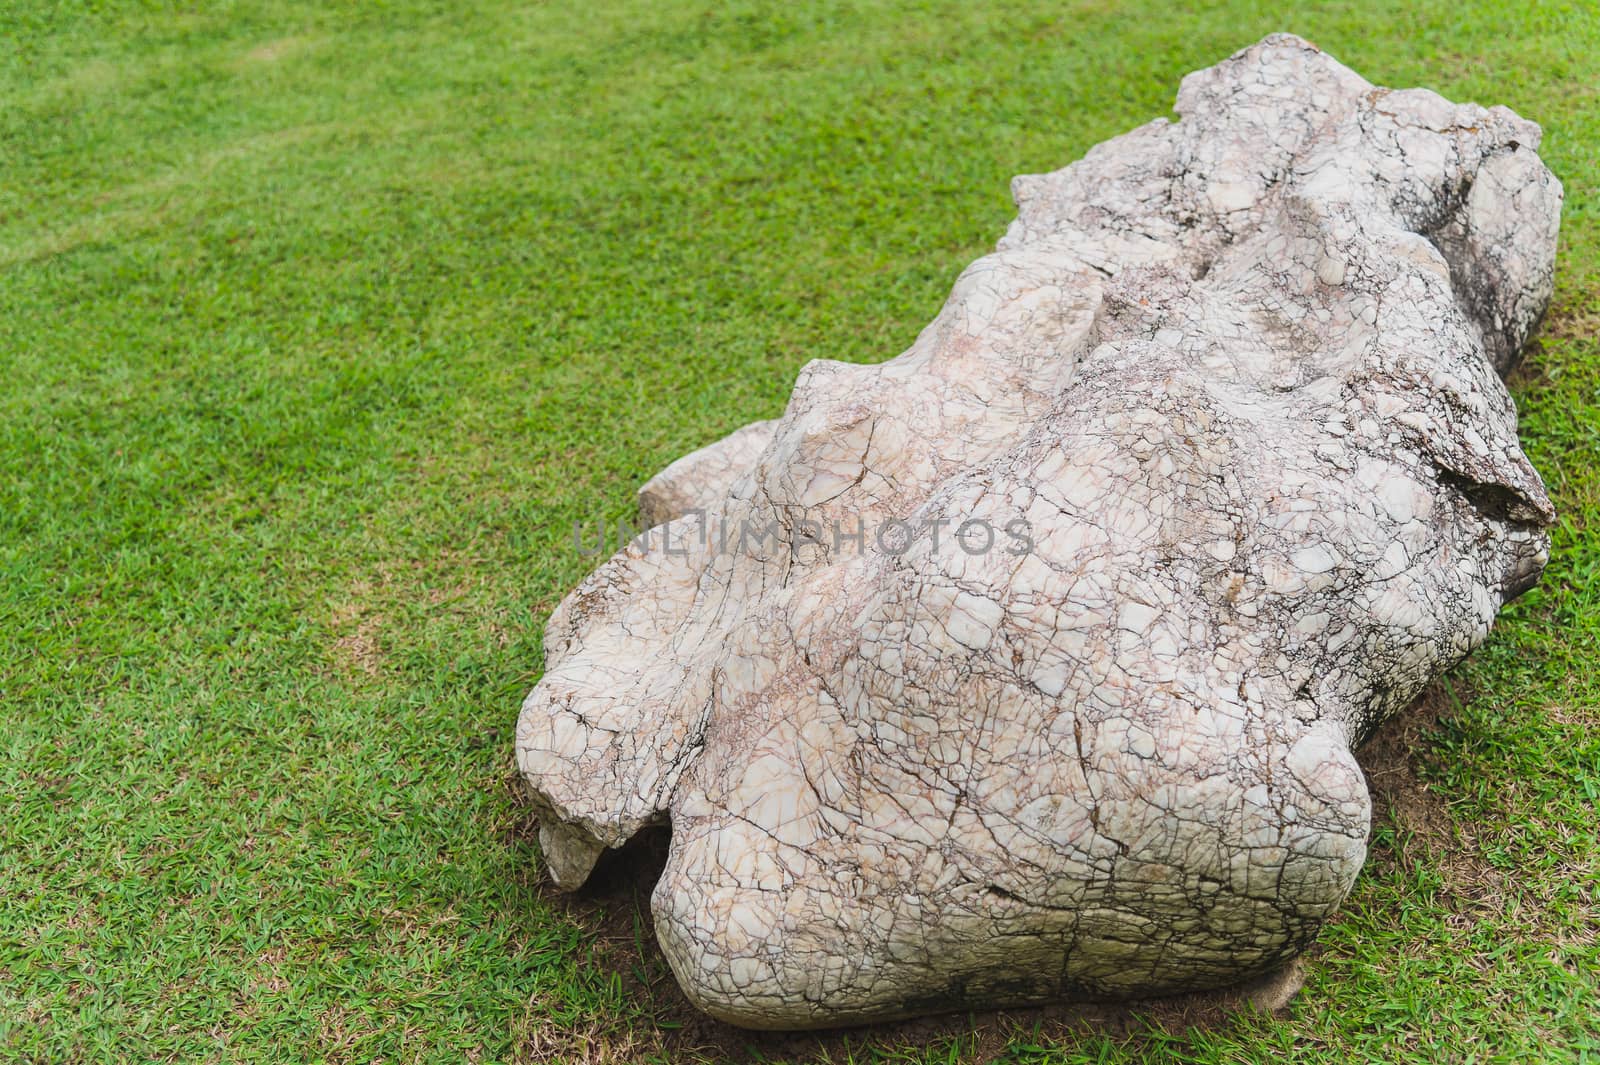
x=1236 y=378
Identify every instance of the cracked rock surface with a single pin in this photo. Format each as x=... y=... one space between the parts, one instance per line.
x=1227 y=399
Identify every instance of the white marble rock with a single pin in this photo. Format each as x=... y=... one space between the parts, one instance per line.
x=1236 y=376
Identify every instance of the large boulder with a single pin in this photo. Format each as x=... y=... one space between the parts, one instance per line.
x=1027 y=665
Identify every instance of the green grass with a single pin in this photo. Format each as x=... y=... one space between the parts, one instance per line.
x=321 y=324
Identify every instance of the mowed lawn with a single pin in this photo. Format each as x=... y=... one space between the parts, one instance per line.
x=320 y=326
